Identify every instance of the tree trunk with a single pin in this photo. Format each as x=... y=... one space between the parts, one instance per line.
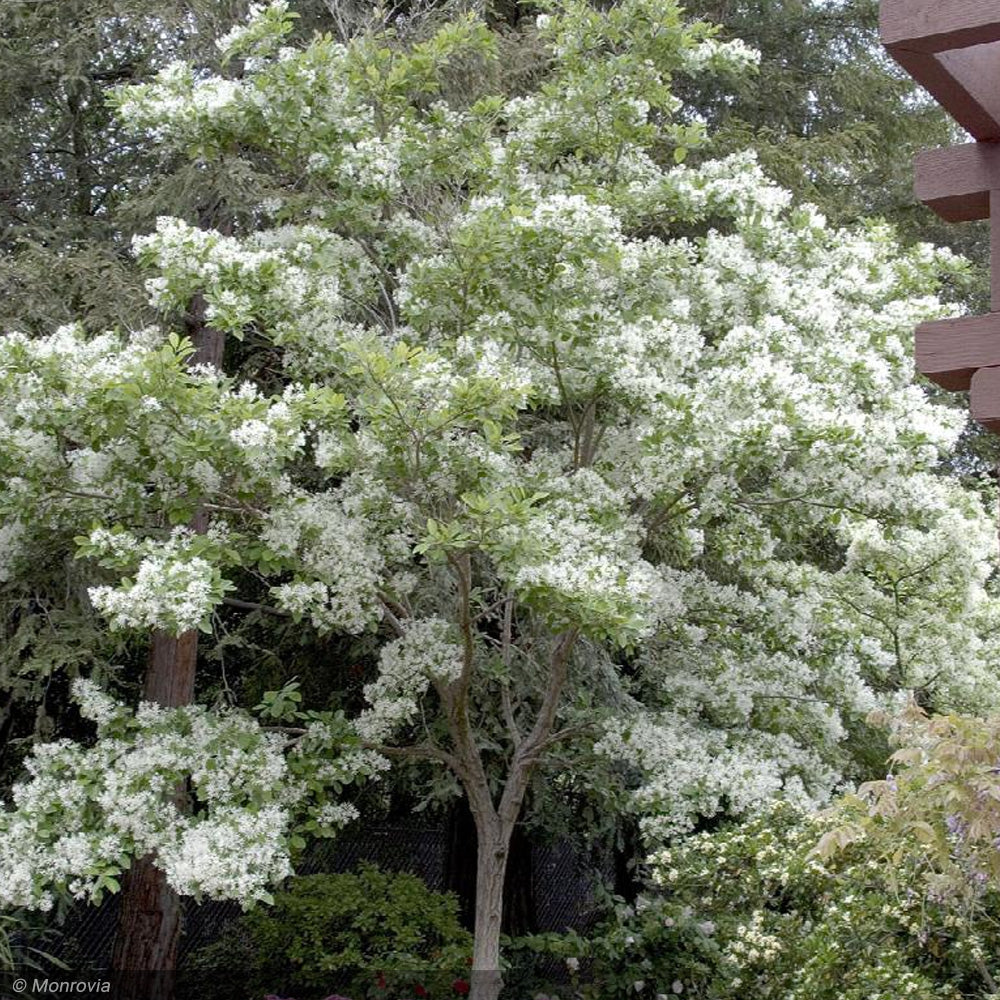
x=172 y=662
x=491 y=870
x=495 y=824
x=149 y=930
x=149 y=925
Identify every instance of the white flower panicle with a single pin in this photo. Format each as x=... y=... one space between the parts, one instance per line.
x=407 y=666
x=83 y=814
x=339 y=568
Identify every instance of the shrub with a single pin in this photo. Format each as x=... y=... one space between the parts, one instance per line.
x=754 y=911
x=366 y=934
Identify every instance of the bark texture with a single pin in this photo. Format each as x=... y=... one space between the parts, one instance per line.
x=149 y=930
x=491 y=871
x=149 y=925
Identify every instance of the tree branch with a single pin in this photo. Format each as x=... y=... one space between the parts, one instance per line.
x=267 y=609
x=533 y=745
x=389 y=609
x=420 y=751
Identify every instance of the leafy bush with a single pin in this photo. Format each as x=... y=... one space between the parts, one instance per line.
x=754 y=911
x=368 y=934
x=939 y=811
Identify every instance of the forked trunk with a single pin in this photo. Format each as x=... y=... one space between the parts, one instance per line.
x=495 y=823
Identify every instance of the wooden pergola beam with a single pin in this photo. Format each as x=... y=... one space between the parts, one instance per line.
x=951 y=48
x=956 y=181
x=938 y=25
x=950 y=351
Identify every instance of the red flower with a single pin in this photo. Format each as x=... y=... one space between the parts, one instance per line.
x=380 y=981
x=419 y=990
x=461 y=986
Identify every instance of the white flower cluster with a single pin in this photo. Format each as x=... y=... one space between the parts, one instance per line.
x=179 y=101
x=406 y=667
x=242 y=36
x=714 y=56
x=286 y=280
x=171 y=594
x=577 y=557
x=693 y=771
x=338 y=568
x=337 y=137
x=752 y=945
x=94 y=702
x=173 y=589
x=236 y=854
x=84 y=813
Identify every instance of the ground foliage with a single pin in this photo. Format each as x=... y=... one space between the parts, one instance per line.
x=756 y=910
x=349 y=932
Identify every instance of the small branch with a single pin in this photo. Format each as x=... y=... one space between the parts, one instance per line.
x=531 y=747
x=487 y=611
x=505 y=652
x=419 y=751
x=991 y=983
x=462 y=564
x=389 y=609
x=558 y=668
x=508 y=715
x=561 y=735
x=82 y=494
x=508 y=631
x=802 y=498
x=267 y=609
x=790 y=697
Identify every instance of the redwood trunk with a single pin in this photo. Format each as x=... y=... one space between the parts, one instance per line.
x=149 y=925
x=172 y=661
x=149 y=930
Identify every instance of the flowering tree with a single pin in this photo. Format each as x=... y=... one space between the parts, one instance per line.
x=605 y=445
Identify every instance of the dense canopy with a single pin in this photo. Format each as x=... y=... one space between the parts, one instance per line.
x=605 y=447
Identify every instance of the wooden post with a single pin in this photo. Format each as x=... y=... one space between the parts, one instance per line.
x=995 y=250
x=985 y=398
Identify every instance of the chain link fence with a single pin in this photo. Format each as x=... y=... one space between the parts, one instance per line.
x=561 y=890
